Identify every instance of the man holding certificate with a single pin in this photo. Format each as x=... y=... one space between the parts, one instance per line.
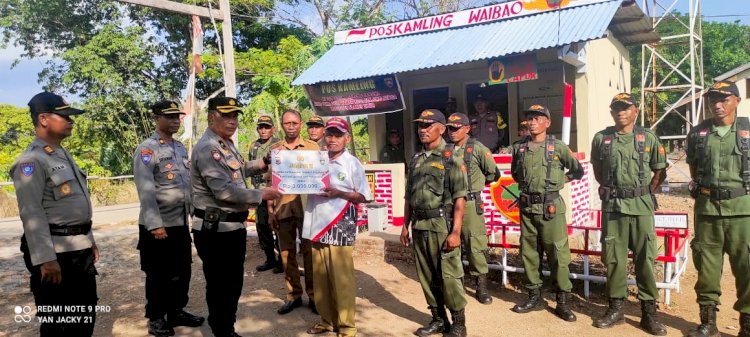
x=286 y=215
x=331 y=224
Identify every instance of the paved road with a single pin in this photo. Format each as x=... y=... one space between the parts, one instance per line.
x=11 y=227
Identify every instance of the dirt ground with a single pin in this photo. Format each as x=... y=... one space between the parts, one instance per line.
x=389 y=302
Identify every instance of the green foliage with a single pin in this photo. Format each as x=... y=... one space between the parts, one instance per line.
x=16 y=132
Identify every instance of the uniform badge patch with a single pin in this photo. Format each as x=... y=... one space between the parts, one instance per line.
x=470 y=150
x=170 y=176
x=550 y=147
x=48 y=149
x=216 y=155
x=446 y=154
x=341 y=176
x=169 y=166
x=146 y=156
x=661 y=150
x=438 y=166
x=463 y=168
x=640 y=138
x=744 y=134
x=65 y=188
x=487 y=154
x=186 y=162
x=27 y=169
x=161 y=141
x=236 y=175
x=703 y=132
x=607 y=141
x=234 y=164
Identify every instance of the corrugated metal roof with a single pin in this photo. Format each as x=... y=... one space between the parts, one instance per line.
x=466 y=44
x=631 y=26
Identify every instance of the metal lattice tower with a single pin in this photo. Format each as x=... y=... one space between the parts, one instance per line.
x=682 y=83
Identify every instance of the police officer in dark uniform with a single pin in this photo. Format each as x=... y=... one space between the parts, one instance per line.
x=58 y=244
x=221 y=200
x=436 y=190
x=268 y=243
x=487 y=126
x=161 y=171
x=393 y=152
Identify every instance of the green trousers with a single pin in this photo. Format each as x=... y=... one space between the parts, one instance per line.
x=474 y=240
x=621 y=232
x=440 y=273
x=714 y=236
x=554 y=235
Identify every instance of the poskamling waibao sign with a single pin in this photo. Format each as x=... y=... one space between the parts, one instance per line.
x=364 y=96
x=467 y=17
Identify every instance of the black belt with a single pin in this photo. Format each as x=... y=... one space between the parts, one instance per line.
x=538 y=198
x=624 y=193
x=424 y=214
x=722 y=193
x=59 y=230
x=225 y=216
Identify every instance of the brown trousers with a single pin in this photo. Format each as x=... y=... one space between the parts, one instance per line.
x=289 y=229
x=335 y=286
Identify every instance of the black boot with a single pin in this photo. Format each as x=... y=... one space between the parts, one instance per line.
x=648 y=319
x=483 y=296
x=159 y=327
x=184 y=318
x=744 y=325
x=437 y=324
x=562 y=309
x=458 y=328
x=707 y=328
x=270 y=261
x=534 y=303
x=613 y=316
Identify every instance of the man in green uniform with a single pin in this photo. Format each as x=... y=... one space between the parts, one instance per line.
x=622 y=156
x=717 y=152
x=316 y=130
x=538 y=165
x=268 y=243
x=393 y=152
x=480 y=170
x=435 y=202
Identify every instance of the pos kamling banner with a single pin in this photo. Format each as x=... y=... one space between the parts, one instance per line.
x=364 y=96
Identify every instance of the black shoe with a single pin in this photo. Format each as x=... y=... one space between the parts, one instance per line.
x=268 y=265
x=562 y=309
x=648 y=319
x=707 y=328
x=458 y=327
x=613 y=316
x=159 y=327
x=744 y=325
x=312 y=306
x=277 y=269
x=482 y=295
x=183 y=318
x=534 y=303
x=289 y=306
x=437 y=325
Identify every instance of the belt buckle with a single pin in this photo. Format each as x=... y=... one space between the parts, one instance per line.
x=704 y=191
x=725 y=194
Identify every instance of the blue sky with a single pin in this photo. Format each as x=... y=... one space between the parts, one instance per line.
x=19 y=84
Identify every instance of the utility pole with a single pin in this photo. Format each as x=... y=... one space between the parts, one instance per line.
x=223 y=14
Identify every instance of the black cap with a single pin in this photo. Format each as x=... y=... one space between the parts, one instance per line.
x=431 y=116
x=480 y=97
x=451 y=100
x=166 y=108
x=724 y=88
x=394 y=131
x=49 y=102
x=458 y=120
x=223 y=105
x=265 y=120
x=622 y=98
x=316 y=120
x=537 y=109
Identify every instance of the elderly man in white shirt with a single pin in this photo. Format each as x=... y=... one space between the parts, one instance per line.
x=331 y=224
